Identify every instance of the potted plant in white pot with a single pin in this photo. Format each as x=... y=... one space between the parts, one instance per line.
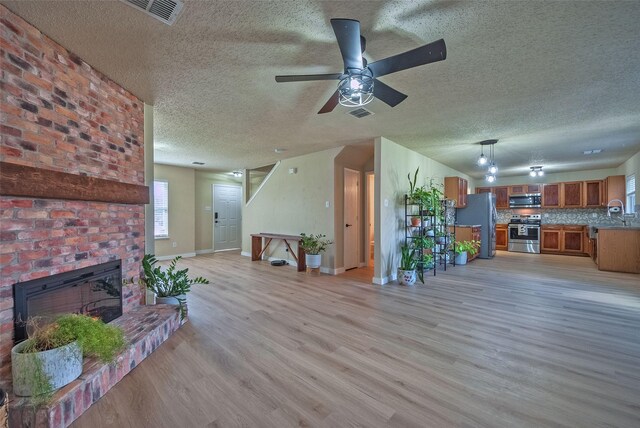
x=463 y=249
x=171 y=285
x=314 y=246
x=407 y=267
x=52 y=355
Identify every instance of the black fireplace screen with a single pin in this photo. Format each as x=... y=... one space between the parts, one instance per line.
x=94 y=291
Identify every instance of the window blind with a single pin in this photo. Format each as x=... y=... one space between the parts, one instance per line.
x=161 y=209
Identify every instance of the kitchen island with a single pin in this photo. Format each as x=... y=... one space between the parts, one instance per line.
x=618 y=248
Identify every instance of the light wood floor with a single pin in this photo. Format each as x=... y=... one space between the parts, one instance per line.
x=518 y=341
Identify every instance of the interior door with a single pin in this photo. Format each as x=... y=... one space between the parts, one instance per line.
x=227 y=217
x=351 y=218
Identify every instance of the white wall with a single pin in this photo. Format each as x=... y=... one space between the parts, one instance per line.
x=631 y=166
x=294 y=203
x=392 y=164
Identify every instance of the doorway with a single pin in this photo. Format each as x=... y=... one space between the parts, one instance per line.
x=369 y=218
x=351 y=218
x=227 y=217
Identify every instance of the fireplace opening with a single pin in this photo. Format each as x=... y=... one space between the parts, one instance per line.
x=94 y=290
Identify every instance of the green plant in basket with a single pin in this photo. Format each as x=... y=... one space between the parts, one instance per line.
x=91 y=335
x=470 y=247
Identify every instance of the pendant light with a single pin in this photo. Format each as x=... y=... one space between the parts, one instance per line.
x=493 y=168
x=482 y=160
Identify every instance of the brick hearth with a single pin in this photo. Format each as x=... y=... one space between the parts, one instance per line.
x=146 y=327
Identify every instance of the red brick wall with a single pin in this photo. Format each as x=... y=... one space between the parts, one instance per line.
x=59 y=113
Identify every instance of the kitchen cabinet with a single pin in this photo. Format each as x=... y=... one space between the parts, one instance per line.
x=619 y=249
x=502 y=197
x=572 y=194
x=468 y=233
x=551 y=195
x=484 y=189
x=614 y=188
x=456 y=188
x=524 y=188
x=502 y=237
x=593 y=193
x=551 y=239
x=566 y=239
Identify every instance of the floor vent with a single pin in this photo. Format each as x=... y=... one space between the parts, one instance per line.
x=163 y=10
x=360 y=113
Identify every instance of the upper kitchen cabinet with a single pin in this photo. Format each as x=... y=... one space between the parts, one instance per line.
x=484 y=189
x=524 y=189
x=551 y=195
x=614 y=188
x=572 y=194
x=456 y=188
x=593 y=193
x=502 y=197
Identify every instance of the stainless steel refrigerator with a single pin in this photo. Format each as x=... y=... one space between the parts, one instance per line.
x=481 y=209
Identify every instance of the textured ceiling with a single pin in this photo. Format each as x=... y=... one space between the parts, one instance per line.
x=548 y=79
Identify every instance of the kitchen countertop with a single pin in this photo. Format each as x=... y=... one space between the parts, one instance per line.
x=616 y=227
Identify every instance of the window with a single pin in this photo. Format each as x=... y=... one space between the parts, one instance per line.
x=160 y=209
x=631 y=193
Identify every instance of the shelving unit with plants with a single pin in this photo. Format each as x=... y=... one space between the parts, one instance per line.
x=427 y=227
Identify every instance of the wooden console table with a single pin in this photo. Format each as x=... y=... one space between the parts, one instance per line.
x=257 y=249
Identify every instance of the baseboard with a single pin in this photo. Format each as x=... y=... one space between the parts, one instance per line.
x=228 y=249
x=330 y=271
x=245 y=253
x=183 y=255
x=209 y=251
x=384 y=280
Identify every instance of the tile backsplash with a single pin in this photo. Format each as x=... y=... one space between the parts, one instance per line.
x=567 y=216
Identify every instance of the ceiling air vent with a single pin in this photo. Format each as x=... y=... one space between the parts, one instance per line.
x=360 y=112
x=163 y=10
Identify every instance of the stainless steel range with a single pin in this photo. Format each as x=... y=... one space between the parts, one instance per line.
x=524 y=233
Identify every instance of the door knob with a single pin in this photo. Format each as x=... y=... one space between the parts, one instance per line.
x=348 y=225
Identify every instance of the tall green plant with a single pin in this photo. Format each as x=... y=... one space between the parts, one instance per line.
x=407 y=258
x=170 y=282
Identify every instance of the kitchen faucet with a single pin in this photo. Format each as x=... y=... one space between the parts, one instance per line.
x=622 y=217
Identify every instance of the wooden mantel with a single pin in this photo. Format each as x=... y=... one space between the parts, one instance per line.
x=31 y=182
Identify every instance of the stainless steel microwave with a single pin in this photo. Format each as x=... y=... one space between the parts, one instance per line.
x=525 y=200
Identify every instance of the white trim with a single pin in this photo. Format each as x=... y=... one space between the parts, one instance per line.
x=380 y=281
x=363 y=264
x=227 y=249
x=209 y=251
x=263 y=182
x=336 y=271
x=160 y=258
x=245 y=253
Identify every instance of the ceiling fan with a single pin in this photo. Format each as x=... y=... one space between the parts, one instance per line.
x=359 y=83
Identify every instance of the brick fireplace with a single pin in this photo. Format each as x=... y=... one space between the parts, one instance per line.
x=60 y=114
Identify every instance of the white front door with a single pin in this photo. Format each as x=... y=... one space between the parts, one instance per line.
x=227 y=218
x=351 y=219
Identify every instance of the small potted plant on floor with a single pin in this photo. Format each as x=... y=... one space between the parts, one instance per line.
x=408 y=263
x=314 y=246
x=463 y=248
x=171 y=285
x=52 y=355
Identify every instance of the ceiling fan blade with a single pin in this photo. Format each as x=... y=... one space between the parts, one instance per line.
x=308 y=77
x=331 y=104
x=436 y=51
x=348 y=36
x=387 y=94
